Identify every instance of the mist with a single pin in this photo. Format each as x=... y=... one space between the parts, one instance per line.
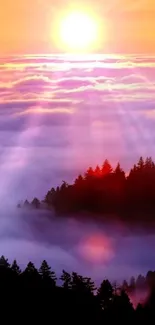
x=89 y=248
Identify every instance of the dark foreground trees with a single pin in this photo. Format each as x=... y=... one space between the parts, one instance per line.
x=32 y=296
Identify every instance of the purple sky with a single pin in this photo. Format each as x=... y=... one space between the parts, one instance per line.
x=60 y=114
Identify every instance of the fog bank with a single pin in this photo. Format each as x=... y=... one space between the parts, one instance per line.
x=91 y=249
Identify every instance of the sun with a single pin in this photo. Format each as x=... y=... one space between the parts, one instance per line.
x=78 y=32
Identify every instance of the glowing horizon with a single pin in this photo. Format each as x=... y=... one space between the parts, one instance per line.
x=33 y=26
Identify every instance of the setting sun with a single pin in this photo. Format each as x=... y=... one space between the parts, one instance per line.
x=78 y=31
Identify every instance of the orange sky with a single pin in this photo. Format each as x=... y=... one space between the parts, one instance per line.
x=26 y=26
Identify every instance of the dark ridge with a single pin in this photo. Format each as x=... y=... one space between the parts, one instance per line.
x=34 y=295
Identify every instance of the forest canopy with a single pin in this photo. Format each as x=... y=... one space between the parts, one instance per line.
x=38 y=294
x=106 y=191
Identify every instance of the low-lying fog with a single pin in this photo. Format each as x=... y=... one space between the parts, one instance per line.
x=89 y=248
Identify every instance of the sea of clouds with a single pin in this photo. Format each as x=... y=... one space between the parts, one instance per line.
x=60 y=114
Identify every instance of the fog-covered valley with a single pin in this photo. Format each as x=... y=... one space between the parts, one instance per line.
x=90 y=248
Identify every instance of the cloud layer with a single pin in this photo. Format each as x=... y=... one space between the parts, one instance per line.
x=92 y=249
x=59 y=114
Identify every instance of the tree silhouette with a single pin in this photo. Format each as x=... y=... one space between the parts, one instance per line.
x=98 y=171
x=122 y=303
x=4 y=264
x=105 y=294
x=141 y=282
x=76 y=299
x=5 y=272
x=77 y=282
x=119 y=171
x=26 y=204
x=15 y=268
x=48 y=276
x=141 y=164
x=66 y=279
x=35 y=203
x=90 y=285
x=132 y=283
x=106 y=168
x=89 y=174
x=30 y=276
x=125 y=286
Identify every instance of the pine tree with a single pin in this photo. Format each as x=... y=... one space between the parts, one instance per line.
x=79 y=180
x=57 y=189
x=49 y=197
x=63 y=186
x=30 y=276
x=133 y=171
x=90 y=285
x=26 y=204
x=4 y=262
x=75 y=281
x=132 y=283
x=97 y=171
x=66 y=278
x=118 y=170
x=141 y=163
x=122 y=308
x=35 y=203
x=125 y=285
x=5 y=272
x=30 y=269
x=126 y=303
x=15 y=268
x=89 y=173
x=106 y=168
x=149 y=164
x=140 y=282
x=82 y=284
x=105 y=294
x=47 y=274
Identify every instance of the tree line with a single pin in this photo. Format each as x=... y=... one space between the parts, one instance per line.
x=35 y=295
x=106 y=191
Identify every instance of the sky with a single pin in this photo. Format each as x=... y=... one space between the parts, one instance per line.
x=61 y=114
x=33 y=26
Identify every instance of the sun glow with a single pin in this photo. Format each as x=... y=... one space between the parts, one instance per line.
x=97 y=248
x=78 y=32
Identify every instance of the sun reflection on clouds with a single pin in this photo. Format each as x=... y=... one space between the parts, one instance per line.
x=96 y=248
